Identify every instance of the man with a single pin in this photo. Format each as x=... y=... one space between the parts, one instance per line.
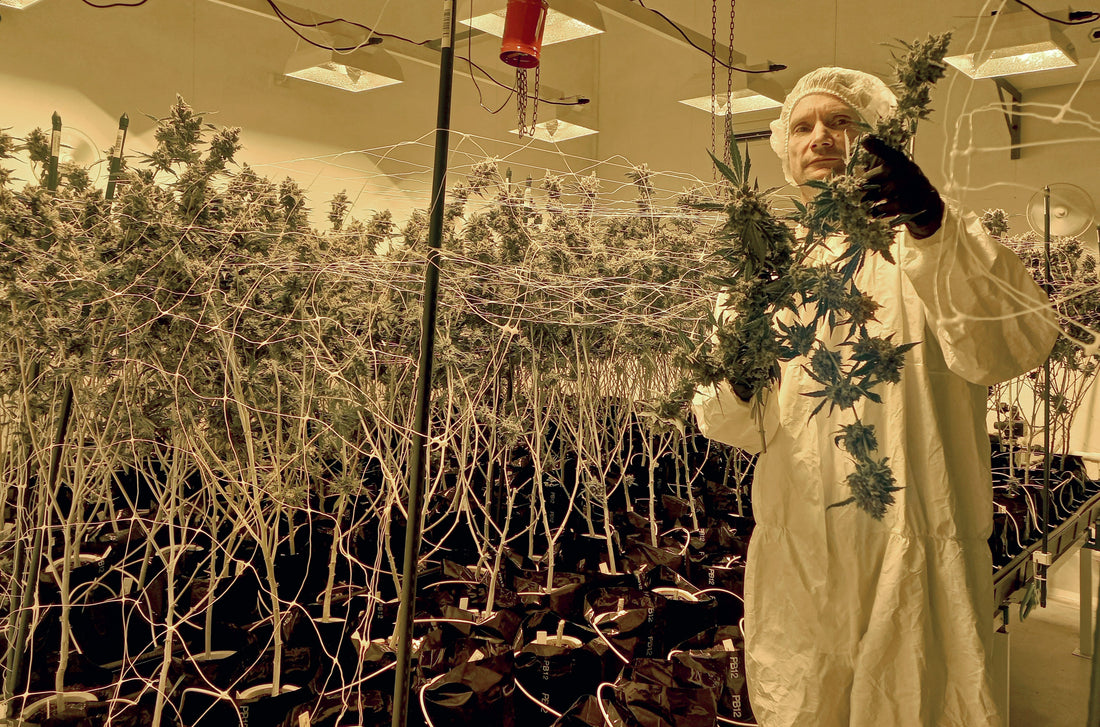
x=852 y=620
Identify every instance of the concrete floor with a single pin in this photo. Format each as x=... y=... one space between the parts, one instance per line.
x=1049 y=685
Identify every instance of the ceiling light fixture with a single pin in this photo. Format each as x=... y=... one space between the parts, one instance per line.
x=17 y=4
x=361 y=70
x=556 y=130
x=1018 y=43
x=566 y=20
x=750 y=93
x=565 y=123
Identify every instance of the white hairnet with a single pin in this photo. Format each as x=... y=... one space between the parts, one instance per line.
x=865 y=93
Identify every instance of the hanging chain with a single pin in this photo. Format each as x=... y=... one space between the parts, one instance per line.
x=535 y=99
x=729 y=86
x=521 y=102
x=713 y=85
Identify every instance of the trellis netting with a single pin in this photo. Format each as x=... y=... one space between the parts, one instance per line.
x=206 y=411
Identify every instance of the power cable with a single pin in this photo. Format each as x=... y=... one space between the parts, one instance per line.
x=581 y=100
x=116 y=5
x=772 y=68
x=373 y=34
x=470 y=64
x=1078 y=17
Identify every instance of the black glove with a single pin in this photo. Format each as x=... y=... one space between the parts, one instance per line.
x=896 y=187
x=743 y=390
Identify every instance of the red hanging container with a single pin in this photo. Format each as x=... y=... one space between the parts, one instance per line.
x=523 y=26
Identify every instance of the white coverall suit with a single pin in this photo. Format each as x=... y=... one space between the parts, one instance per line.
x=863 y=623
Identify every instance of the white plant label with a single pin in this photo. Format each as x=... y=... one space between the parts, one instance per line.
x=448 y=25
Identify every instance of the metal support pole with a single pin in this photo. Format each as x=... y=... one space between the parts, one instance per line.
x=1084 y=595
x=1046 y=412
x=1000 y=673
x=418 y=457
x=1011 y=109
x=1094 y=680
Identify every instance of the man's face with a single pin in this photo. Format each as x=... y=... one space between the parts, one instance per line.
x=821 y=128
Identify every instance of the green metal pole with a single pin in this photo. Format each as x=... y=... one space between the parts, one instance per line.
x=116 y=158
x=55 y=151
x=1045 y=566
x=417 y=470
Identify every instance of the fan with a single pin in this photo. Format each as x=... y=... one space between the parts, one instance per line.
x=78 y=148
x=1071 y=210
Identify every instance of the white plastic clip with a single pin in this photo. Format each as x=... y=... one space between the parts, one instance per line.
x=1043 y=558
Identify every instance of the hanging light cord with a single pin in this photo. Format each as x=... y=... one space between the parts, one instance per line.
x=295 y=24
x=473 y=77
x=291 y=23
x=772 y=68
x=373 y=38
x=116 y=5
x=1076 y=17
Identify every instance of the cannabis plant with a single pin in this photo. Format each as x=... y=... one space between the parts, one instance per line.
x=1074 y=286
x=770 y=273
x=196 y=334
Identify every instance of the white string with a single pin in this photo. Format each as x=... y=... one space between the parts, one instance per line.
x=599 y=702
x=723 y=590
x=372 y=675
x=423 y=706
x=530 y=696
x=560 y=296
x=596 y=619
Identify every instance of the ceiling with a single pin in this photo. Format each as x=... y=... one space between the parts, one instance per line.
x=227 y=56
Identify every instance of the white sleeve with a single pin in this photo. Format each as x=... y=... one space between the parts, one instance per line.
x=988 y=314
x=725 y=417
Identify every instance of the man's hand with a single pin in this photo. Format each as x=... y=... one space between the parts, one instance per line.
x=743 y=390
x=896 y=187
